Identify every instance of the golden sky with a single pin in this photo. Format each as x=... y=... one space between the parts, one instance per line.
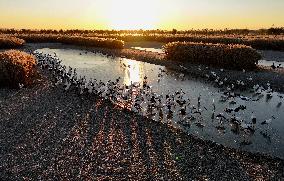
x=137 y=14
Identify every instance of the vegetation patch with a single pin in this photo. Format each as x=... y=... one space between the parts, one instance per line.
x=230 y=56
x=262 y=42
x=17 y=68
x=10 y=42
x=39 y=38
x=74 y=40
x=92 y=41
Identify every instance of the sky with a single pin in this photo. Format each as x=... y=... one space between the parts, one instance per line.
x=141 y=14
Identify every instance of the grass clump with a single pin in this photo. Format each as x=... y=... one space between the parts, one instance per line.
x=16 y=68
x=10 y=42
x=232 y=56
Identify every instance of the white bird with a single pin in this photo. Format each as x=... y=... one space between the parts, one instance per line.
x=214 y=74
x=182 y=67
x=67 y=85
x=181 y=76
x=21 y=85
x=244 y=125
x=256 y=87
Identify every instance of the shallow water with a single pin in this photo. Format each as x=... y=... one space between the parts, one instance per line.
x=157 y=50
x=146 y=46
x=266 y=139
x=270 y=63
x=271 y=55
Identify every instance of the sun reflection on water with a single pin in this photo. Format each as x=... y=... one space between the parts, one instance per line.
x=133 y=71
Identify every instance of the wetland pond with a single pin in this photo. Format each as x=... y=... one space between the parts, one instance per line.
x=201 y=93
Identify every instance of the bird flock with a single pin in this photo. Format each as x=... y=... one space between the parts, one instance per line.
x=171 y=108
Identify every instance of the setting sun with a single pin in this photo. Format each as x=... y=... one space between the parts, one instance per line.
x=128 y=14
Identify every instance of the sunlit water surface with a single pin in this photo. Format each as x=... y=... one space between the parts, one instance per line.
x=266 y=139
x=146 y=46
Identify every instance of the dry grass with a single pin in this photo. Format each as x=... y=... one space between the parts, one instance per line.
x=115 y=40
x=16 y=68
x=74 y=40
x=218 y=55
x=92 y=41
x=263 y=42
x=39 y=38
x=10 y=42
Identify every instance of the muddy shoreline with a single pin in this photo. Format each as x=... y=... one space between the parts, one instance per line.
x=51 y=134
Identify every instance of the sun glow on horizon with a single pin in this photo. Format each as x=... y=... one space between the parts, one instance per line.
x=129 y=14
x=141 y=14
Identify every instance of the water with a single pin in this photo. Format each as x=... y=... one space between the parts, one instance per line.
x=146 y=46
x=270 y=57
x=266 y=139
x=270 y=63
x=157 y=50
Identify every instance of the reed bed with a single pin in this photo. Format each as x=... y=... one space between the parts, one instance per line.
x=218 y=55
x=39 y=38
x=92 y=41
x=108 y=40
x=16 y=68
x=74 y=40
x=262 y=42
x=10 y=42
x=269 y=31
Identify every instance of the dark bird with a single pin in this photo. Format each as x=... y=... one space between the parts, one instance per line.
x=241 y=107
x=273 y=66
x=268 y=121
x=220 y=116
x=197 y=112
x=253 y=119
x=229 y=110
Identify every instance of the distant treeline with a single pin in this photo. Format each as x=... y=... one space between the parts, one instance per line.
x=265 y=39
x=270 y=31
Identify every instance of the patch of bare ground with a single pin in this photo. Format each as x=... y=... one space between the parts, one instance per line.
x=49 y=134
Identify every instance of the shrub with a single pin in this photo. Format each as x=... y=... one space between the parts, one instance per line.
x=16 y=67
x=218 y=55
x=10 y=42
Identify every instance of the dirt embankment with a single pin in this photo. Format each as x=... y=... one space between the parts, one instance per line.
x=47 y=133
